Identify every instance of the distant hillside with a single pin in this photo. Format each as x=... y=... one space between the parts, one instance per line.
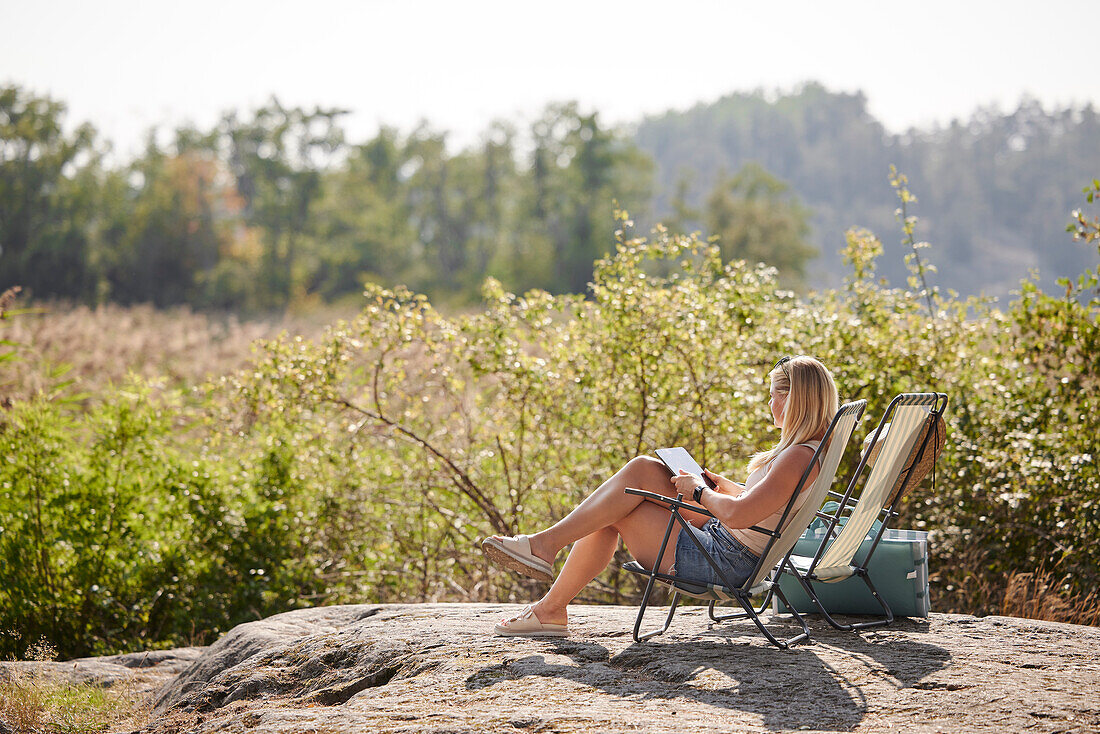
x=995 y=191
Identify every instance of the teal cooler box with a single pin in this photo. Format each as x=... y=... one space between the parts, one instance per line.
x=899 y=570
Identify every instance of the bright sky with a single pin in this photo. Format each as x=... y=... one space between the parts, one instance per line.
x=127 y=66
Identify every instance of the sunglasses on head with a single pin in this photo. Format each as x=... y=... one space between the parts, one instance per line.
x=782 y=363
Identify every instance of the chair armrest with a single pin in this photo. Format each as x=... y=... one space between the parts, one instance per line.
x=851 y=505
x=852 y=501
x=662 y=499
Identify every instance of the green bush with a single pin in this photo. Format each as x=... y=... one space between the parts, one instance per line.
x=503 y=419
x=115 y=533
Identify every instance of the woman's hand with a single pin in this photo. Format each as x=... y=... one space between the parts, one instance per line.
x=724 y=485
x=686 y=483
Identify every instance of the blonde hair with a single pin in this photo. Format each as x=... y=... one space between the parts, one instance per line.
x=811 y=404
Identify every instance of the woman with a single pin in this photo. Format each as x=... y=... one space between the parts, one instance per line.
x=803 y=402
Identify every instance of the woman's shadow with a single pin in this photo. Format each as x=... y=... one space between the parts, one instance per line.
x=789 y=689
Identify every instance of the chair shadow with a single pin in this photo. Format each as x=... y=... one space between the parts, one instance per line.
x=906 y=661
x=788 y=689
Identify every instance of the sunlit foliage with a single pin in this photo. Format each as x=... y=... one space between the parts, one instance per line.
x=366 y=464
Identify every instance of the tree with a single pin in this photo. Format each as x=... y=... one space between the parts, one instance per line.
x=168 y=225
x=684 y=218
x=579 y=171
x=48 y=188
x=757 y=219
x=278 y=158
x=362 y=221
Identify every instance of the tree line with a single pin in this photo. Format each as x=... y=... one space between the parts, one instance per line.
x=995 y=190
x=276 y=206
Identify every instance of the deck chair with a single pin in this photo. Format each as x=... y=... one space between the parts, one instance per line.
x=779 y=545
x=910 y=445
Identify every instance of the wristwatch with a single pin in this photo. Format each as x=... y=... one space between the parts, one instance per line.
x=697 y=495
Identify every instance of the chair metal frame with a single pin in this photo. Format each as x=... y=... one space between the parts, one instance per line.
x=761 y=579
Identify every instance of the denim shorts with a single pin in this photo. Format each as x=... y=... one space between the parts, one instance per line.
x=737 y=561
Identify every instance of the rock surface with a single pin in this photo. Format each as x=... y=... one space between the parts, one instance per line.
x=438 y=668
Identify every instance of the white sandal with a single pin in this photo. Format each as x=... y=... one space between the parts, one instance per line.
x=526 y=624
x=515 y=553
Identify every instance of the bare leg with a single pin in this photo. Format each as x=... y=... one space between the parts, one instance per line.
x=594 y=527
x=588 y=557
x=641 y=530
x=607 y=505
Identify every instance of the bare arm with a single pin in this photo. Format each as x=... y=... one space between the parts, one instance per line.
x=765 y=498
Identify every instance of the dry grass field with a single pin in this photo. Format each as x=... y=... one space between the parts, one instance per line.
x=84 y=349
